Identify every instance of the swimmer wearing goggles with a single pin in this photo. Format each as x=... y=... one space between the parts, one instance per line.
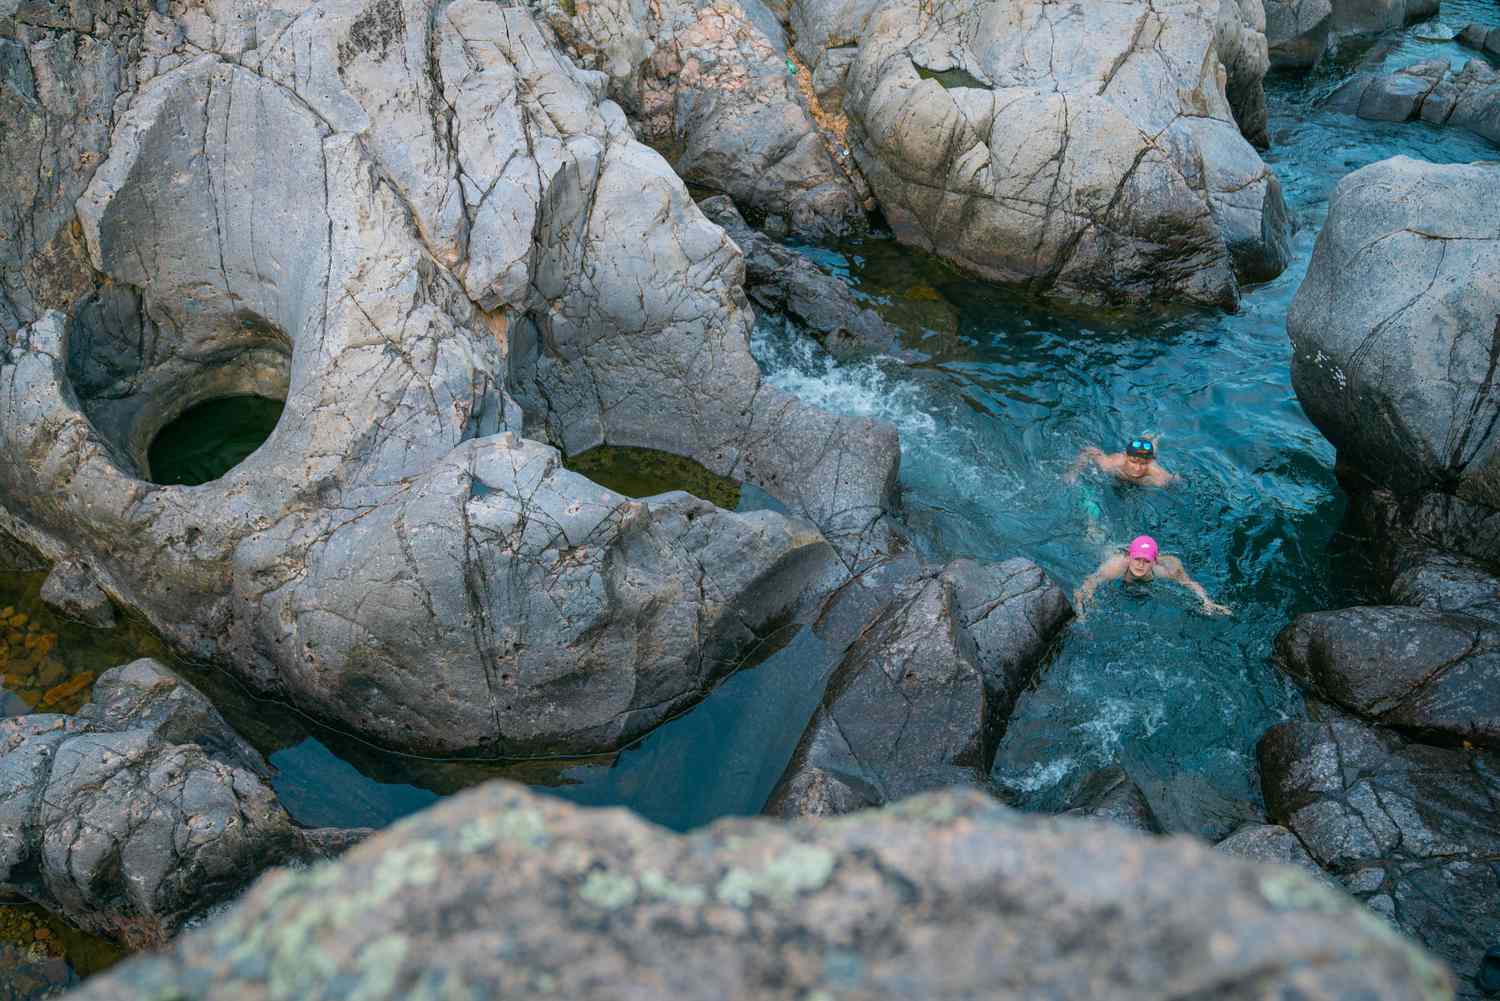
x=1137 y=464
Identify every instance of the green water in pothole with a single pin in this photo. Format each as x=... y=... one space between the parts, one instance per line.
x=212 y=438
x=645 y=472
x=953 y=79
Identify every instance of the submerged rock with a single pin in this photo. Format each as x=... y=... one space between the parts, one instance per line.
x=1394 y=329
x=945 y=896
x=70 y=589
x=142 y=811
x=788 y=283
x=921 y=698
x=1090 y=152
x=1406 y=828
x=426 y=231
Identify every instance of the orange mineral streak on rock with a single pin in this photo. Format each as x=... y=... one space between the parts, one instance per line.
x=58 y=694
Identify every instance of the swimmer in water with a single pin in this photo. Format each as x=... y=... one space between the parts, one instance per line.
x=1137 y=464
x=1142 y=563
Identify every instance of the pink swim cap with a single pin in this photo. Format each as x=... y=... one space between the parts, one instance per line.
x=1143 y=547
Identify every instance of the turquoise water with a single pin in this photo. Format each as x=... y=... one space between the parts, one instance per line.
x=990 y=424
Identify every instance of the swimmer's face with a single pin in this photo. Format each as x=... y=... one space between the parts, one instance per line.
x=1137 y=466
x=1139 y=567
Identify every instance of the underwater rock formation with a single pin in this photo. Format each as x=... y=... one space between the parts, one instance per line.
x=142 y=811
x=1087 y=151
x=426 y=231
x=921 y=698
x=500 y=892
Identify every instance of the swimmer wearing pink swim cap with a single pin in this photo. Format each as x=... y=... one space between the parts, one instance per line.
x=1142 y=561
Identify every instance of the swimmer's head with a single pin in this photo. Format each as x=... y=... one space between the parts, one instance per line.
x=1142 y=555
x=1139 y=452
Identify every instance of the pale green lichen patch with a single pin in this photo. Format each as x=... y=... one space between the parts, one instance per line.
x=379 y=965
x=1289 y=889
x=608 y=891
x=524 y=826
x=800 y=869
x=657 y=885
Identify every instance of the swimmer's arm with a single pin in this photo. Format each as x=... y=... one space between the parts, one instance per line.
x=1088 y=454
x=1173 y=569
x=1111 y=569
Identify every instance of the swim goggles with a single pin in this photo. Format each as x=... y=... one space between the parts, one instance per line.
x=1141 y=448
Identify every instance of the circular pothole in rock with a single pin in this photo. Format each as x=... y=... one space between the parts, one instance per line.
x=644 y=472
x=210 y=439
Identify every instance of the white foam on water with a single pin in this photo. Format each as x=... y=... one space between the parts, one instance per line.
x=1109 y=727
x=1041 y=775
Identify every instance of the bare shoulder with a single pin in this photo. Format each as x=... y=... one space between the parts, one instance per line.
x=1170 y=566
x=1111 y=462
x=1160 y=477
x=1113 y=566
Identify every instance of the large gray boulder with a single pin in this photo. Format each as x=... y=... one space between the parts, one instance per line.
x=1394 y=328
x=500 y=892
x=1406 y=828
x=140 y=812
x=708 y=85
x=1088 y=151
x=385 y=214
x=1434 y=675
x=921 y=699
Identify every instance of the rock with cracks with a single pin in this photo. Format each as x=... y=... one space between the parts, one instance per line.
x=1406 y=828
x=1433 y=675
x=921 y=699
x=1088 y=151
x=710 y=84
x=1298 y=32
x=1396 y=328
x=1428 y=92
x=140 y=812
x=499 y=892
x=428 y=232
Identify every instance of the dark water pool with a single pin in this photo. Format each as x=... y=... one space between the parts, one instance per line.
x=212 y=438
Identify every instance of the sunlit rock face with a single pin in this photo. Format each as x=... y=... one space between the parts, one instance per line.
x=1090 y=151
x=427 y=232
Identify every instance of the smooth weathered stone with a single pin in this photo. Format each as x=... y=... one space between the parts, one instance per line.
x=1270 y=843
x=1406 y=828
x=708 y=85
x=142 y=811
x=1090 y=152
x=70 y=589
x=1432 y=674
x=1393 y=329
x=921 y=699
x=384 y=214
x=499 y=892
x=788 y=283
x=1112 y=796
x=1468 y=99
